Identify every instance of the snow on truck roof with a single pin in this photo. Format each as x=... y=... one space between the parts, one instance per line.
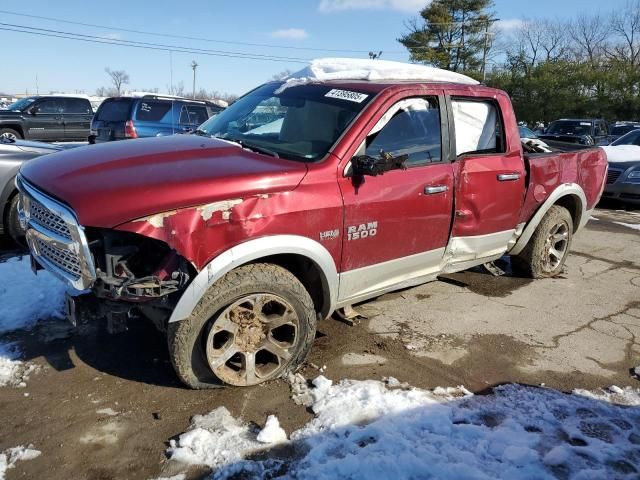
x=328 y=69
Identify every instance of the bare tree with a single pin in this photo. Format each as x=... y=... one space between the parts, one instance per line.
x=590 y=34
x=281 y=75
x=626 y=25
x=118 y=78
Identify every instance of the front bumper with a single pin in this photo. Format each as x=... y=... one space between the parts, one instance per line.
x=619 y=186
x=55 y=238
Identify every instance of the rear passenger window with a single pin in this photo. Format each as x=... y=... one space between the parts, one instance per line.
x=152 y=111
x=50 y=105
x=410 y=127
x=76 y=105
x=114 y=110
x=478 y=127
x=193 y=115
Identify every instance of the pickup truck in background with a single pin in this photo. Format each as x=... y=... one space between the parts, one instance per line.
x=586 y=131
x=236 y=240
x=52 y=118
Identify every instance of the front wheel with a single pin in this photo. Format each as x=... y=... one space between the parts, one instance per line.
x=10 y=134
x=547 y=250
x=255 y=324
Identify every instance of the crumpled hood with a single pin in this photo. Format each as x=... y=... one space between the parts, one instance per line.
x=112 y=183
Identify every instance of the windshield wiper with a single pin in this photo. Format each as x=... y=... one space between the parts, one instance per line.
x=250 y=146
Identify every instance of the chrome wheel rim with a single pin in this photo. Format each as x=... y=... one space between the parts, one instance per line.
x=252 y=340
x=555 y=246
x=9 y=136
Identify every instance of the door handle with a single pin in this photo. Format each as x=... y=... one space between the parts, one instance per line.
x=435 y=189
x=508 y=177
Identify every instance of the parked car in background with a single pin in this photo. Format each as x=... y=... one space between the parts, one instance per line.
x=618 y=129
x=354 y=188
x=120 y=118
x=588 y=131
x=623 y=177
x=14 y=153
x=54 y=118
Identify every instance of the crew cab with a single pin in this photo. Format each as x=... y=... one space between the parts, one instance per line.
x=236 y=240
x=53 y=118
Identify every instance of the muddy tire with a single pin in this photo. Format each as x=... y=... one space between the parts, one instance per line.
x=12 y=225
x=254 y=324
x=547 y=250
x=10 y=133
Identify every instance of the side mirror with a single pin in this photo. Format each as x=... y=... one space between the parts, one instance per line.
x=372 y=166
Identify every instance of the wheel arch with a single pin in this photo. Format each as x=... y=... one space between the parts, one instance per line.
x=568 y=195
x=307 y=259
x=6 y=195
x=14 y=126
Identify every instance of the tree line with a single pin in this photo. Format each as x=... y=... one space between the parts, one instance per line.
x=587 y=66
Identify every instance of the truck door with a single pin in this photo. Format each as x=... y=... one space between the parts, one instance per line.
x=396 y=225
x=490 y=177
x=46 y=122
x=77 y=116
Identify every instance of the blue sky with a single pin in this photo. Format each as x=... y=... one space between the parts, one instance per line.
x=66 y=65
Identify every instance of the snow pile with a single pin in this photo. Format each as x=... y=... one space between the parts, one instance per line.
x=13 y=371
x=272 y=431
x=10 y=456
x=362 y=429
x=327 y=69
x=622 y=153
x=214 y=440
x=25 y=297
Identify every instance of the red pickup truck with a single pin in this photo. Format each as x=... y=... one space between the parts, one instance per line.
x=297 y=200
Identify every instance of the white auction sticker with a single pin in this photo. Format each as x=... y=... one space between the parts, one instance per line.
x=347 y=95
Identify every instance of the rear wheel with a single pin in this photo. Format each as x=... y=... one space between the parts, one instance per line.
x=10 y=133
x=255 y=324
x=547 y=250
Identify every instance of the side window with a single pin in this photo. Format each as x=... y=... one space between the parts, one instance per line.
x=411 y=127
x=152 y=111
x=49 y=105
x=193 y=114
x=478 y=127
x=76 y=105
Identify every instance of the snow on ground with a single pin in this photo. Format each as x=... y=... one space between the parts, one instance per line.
x=10 y=456
x=13 y=371
x=633 y=226
x=25 y=298
x=369 y=429
x=272 y=431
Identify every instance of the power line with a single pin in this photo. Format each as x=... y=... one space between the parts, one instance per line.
x=145 y=45
x=184 y=37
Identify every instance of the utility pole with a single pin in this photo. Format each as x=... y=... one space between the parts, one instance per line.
x=486 y=49
x=37 y=88
x=171 y=71
x=194 y=65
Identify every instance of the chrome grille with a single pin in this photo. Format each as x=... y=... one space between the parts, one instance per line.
x=47 y=219
x=612 y=175
x=62 y=259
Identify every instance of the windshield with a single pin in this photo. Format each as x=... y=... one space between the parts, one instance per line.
x=570 y=127
x=300 y=123
x=631 y=138
x=21 y=104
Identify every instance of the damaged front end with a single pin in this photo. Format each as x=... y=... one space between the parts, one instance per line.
x=134 y=275
x=117 y=274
